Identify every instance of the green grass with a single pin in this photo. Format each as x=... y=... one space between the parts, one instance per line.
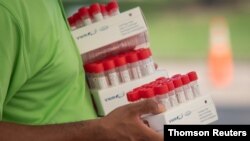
x=179 y=29
x=185 y=33
x=181 y=37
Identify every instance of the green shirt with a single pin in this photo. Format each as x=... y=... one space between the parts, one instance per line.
x=41 y=75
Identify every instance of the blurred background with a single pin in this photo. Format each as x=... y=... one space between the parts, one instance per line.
x=211 y=37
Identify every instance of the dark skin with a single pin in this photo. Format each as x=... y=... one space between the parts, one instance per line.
x=123 y=124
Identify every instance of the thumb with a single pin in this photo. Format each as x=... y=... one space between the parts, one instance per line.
x=147 y=106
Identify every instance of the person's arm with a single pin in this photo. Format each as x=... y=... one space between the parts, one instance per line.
x=123 y=124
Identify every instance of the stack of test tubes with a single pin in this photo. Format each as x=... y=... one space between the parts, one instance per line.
x=95 y=13
x=115 y=65
x=92 y=14
x=171 y=92
x=114 y=70
x=116 y=48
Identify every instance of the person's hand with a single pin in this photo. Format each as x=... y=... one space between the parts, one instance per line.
x=125 y=124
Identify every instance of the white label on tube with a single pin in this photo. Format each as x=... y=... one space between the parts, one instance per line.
x=98 y=17
x=195 y=89
x=143 y=68
x=147 y=67
x=105 y=16
x=189 y=93
x=181 y=96
x=79 y=24
x=87 y=21
x=113 y=78
x=114 y=12
x=173 y=100
x=166 y=102
x=125 y=77
x=139 y=71
x=134 y=73
x=151 y=67
x=101 y=82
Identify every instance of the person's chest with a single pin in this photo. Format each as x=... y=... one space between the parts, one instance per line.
x=55 y=76
x=48 y=41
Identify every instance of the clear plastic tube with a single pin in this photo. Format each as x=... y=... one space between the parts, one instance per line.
x=172 y=95
x=180 y=95
x=98 y=17
x=89 y=69
x=121 y=68
x=194 y=84
x=84 y=13
x=147 y=93
x=161 y=91
x=186 y=87
x=113 y=77
x=110 y=72
x=78 y=20
x=134 y=66
x=179 y=90
x=99 y=78
x=113 y=8
x=124 y=73
x=104 y=11
x=146 y=62
x=188 y=92
x=95 y=12
x=72 y=23
x=195 y=88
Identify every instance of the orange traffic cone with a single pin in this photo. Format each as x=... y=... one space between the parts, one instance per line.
x=220 y=60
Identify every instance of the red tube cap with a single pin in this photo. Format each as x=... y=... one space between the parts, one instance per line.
x=176 y=76
x=103 y=9
x=149 y=51
x=98 y=68
x=94 y=8
x=113 y=5
x=132 y=57
x=192 y=76
x=161 y=89
x=120 y=61
x=108 y=64
x=177 y=82
x=89 y=67
x=143 y=54
x=170 y=85
x=133 y=96
x=84 y=12
x=185 y=79
x=147 y=93
x=71 y=21
x=77 y=17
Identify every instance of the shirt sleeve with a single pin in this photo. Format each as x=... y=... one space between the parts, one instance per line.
x=10 y=53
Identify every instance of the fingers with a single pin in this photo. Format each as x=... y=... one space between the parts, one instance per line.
x=127 y=119
x=154 y=136
x=147 y=107
x=149 y=134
